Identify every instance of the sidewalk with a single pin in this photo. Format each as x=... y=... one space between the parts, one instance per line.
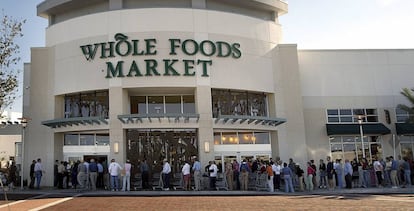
x=52 y=192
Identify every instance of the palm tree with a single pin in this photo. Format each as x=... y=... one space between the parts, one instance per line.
x=410 y=109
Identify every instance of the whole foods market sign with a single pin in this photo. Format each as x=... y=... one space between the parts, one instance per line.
x=123 y=47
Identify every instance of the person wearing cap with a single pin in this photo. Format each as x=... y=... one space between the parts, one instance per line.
x=113 y=170
x=166 y=170
x=126 y=179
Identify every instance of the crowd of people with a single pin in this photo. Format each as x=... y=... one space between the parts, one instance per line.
x=279 y=175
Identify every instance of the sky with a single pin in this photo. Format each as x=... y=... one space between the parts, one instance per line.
x=311 y=24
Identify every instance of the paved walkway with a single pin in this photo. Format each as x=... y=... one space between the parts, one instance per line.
x=320 y=199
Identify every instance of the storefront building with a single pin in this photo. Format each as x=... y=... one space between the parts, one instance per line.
x=171 y=79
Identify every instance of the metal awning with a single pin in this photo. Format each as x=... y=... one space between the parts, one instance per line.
x=54 y=123
x=353 y=129
x=138 y=118
x=269 y=121
x=404 y=128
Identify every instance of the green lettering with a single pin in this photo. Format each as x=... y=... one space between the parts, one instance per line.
x=105 y=49
x=236 y=51
x=114 y=72
x=185 y=50
x=89 y=52
x=150 y=43
x=151 y=66
x=134 y=68
x=204 y=65
x=174 y=45
x=169 y=67
x=203 y=48
x=188 y=65
x=223 y=52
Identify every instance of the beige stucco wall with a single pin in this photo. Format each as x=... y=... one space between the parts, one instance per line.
x=352 y=79
x=61 y=68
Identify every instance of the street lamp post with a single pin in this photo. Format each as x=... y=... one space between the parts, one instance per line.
x=362 y=135
x=23 y=122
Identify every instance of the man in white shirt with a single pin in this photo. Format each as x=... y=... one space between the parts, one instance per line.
x=166 y=170
x=113 y=170
x=186 y=175
x=276 y=171
x=213 y=174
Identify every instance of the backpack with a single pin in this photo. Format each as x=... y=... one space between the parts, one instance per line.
x=243 y=167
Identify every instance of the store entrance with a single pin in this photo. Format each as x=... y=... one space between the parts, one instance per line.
x=103 y=159
x=154 y=145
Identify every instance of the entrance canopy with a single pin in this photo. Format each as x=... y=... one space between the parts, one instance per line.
x=353 y=129
x=404 y=128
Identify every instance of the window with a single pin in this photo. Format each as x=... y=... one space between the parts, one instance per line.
x=86 y=139
x=351 y=115
x=402 y=116
x=155 y=104
x=170 y=104
x=231 y=102
x=87 y=104
x=102 y=139
x=350 y=147
x=71 y=139
x=242 y=137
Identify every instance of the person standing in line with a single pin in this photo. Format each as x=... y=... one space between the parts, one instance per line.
x=55 y=174
x=87 y=183
x=197 y=173
x=126 y=180
x=322 y=174
x=213 y=174
x=276 y=178
x=113 y=170
x=407 y=172
x=236 y=174
x=287 y=176
x=292 y=166
x=300 y=173
x=244 y=170
x=32 y=174
x=378 y=168
x=270 y=175
x=60 y=174
x=366 y=173
x=186 y=171
x=330 y=172
x=315 y=184
x=74 y=174
x=12 y=175
x=348 y=171
x=309 y=177
x=166 y=171
x=82 y=175
x=93 y=173
x=229 y=175
x=394 y=173
x=38 y=172
x=143 y=167
x=339 y=173
x=99 y=180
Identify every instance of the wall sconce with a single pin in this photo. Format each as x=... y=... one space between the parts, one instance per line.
x=206 y=146
x=116 y=147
